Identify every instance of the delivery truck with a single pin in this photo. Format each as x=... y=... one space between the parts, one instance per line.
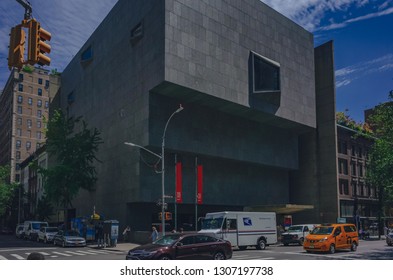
x=242 y=229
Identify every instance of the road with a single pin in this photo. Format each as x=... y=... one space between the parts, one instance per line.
x=16 y=249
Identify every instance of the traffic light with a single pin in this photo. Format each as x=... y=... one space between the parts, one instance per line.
x=17 y=47
x=38 y=48
x=167 y=216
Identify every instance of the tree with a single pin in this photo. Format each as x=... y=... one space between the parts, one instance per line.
x=44 y=208
x=7 y=190
x=380 y=167
x=73 y=146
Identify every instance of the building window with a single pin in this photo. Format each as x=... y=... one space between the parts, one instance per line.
x=40 y=81
x=19 y=132
x=87 y=54
x=38 y=134
x=19 y=121
x=29 y=123
x=353 y=151
x=39 y=113
x=353 y=168
x=20 y=76
x=360 y=170
x=342 y=147
x=46 y=83
x=20 y=110
x=20 y=99
x=28 y=133
x=30 y=101
x=18 y=144
x=40 y=92
x=39 y=103
x=38 y=124
x=266 y=74
x=28 y=145
x=360 y=152
x=136 y=33
x=344 y=187
x=17 y=154
x=343 y=166
x=71 y=97
x=46 y=104
x=20 y=87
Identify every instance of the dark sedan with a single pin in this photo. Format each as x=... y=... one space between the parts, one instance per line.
x=183 y=246
x=68 y=238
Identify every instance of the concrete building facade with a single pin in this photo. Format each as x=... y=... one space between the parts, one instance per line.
x=258 y=110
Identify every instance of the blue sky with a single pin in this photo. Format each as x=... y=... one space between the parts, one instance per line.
x=362 y=32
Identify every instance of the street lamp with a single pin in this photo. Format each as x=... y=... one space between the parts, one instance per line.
x=162 y=157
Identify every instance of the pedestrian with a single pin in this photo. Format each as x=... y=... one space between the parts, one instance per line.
x=154 y=234
x=100 y=235
x=126 y=234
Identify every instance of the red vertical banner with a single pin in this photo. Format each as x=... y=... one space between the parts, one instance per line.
x=179 y=183
x=199 y=184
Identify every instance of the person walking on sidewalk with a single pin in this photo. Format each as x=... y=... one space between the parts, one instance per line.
x=154 y=234
x=100 y=235
x=126 y=234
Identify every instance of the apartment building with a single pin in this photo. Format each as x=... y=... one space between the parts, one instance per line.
x=24 y=103
x=358 y=200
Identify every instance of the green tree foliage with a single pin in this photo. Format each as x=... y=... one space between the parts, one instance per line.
x=73 y=146
x=44 y=208
x=380 y=168
x=7 y=190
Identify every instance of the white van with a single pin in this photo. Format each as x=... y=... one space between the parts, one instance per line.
x=242 y=229
x=31 y=229
x=296 y=234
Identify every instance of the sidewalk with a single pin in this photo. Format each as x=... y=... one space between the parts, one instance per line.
x=123 y=246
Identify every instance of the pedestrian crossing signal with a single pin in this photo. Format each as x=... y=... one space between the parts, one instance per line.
x=167 y=216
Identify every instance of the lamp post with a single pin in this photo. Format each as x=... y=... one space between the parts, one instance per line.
x=162 y=157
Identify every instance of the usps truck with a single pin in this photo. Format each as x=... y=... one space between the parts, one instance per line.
x=242 y=229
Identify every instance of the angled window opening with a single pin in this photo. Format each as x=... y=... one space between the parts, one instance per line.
x=87 y=56
x=136 y=33
x=265 y=74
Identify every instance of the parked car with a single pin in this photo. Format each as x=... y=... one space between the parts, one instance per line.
x=68 y=238
x=183 y=246
x=31 y=229
x=19 y=232
x=332 y=237
x=296 y=234
x=389 y=239
x=46 y=234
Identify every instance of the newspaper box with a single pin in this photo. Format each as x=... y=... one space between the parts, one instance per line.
x=111 y=232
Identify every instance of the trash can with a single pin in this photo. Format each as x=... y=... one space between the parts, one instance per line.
x=111 y=232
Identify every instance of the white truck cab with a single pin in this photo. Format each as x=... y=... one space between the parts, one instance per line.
x=242 y=229
x=31 y=229
x=296 y=234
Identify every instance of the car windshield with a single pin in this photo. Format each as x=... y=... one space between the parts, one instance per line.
x=51 y=229
x=322 y=230
x=212 y=223
x=167 y=239
x=295 y=228
x=38 y=225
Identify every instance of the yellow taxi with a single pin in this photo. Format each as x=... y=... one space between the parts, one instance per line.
x=332 y=237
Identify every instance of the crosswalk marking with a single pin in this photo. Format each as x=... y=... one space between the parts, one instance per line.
x=98 y=252
x=86 y=252
x=75 y=253
x=17 y=256
x=3 y=258
x=62 y=254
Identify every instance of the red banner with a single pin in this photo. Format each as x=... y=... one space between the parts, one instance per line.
x=199 y=183
x=179 y=183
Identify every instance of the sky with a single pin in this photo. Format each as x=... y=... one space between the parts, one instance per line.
x=362 y=32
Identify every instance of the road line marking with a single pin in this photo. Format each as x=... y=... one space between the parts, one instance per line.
x=44 y=253
x=75 y=253
x=54 y=256
x=86 y=252
x=62 y=254
x=18 y=256
x=3 y=258
x=98 y=252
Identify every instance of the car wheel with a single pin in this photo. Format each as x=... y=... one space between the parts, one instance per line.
x=354 y=246
x=219 y=256
x=286 y=244
x=242 y=248
x=301 y=241
x=261 y=244
x=308 y=251
x=165 y=257
x=332 y=249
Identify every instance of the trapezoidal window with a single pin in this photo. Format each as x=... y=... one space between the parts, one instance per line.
x=265 y=74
